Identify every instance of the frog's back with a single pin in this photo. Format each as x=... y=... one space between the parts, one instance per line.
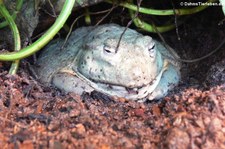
x=54 y=57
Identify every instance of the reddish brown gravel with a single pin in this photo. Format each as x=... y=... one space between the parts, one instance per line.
x=32 y=116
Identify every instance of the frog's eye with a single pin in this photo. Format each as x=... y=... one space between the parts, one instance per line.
x=152 y=51
x=109 y=50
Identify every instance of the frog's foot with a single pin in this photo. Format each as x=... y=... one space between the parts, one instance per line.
x=69 y=82
x=169 y=80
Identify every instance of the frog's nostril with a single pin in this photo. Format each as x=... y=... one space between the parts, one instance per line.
x=137 y=72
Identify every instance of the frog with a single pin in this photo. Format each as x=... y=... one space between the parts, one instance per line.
x=111 y=59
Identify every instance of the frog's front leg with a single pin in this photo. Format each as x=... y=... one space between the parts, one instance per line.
x=169 y=79
x=69 y=82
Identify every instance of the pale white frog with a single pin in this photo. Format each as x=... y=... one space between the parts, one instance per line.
x=139 y=69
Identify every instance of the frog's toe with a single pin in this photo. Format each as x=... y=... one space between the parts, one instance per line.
x=70 y=83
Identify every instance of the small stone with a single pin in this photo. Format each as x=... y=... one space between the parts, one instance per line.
x=80 y=128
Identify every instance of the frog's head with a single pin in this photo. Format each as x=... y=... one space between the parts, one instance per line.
x=133 y=64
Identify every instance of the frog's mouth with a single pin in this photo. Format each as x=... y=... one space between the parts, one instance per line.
x=129 y=93
x=135 y=93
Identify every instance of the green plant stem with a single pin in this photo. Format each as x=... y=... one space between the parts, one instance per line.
x=18 y=7
x=17 y=43
x=87 y=17
x=186 y=11
x=42 y=41
x=148 y=27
